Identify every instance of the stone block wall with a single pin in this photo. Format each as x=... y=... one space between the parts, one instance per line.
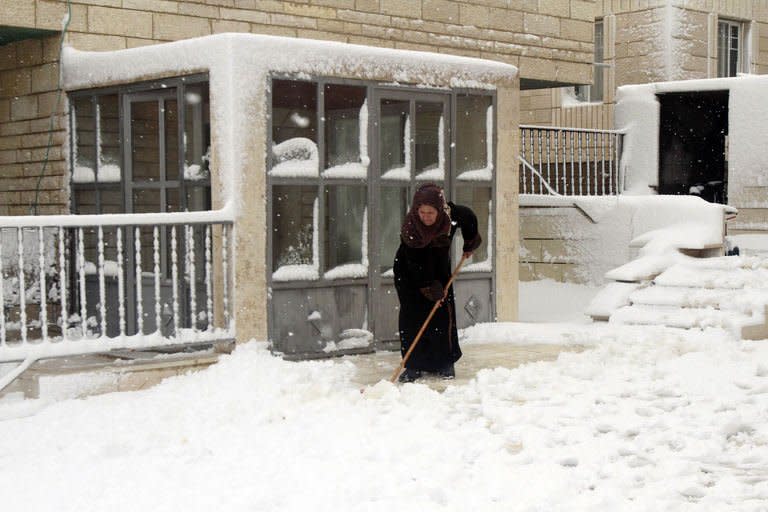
x=31 y=172
x=652 y=41
x=546 y=40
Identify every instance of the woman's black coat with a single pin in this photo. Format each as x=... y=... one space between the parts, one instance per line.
x=418 y=268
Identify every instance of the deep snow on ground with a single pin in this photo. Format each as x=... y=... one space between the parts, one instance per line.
x=643 y=419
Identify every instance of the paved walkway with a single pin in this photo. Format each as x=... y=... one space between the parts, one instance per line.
x=371 y=368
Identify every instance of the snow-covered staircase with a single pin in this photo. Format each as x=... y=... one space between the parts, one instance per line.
x=728 y=292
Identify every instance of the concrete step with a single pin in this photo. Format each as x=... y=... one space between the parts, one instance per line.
x=119 y=370
x=736 y=300
x=687 y=275
x=683 y=318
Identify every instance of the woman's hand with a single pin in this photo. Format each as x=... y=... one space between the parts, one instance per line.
x=434 y=291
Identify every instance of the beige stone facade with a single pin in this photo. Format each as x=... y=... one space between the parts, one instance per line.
x=652 y=41
x=644 y=41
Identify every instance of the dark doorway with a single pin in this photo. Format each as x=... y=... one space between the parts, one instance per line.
x=692 y=144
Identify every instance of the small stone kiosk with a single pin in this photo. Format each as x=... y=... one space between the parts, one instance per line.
x=314 y=150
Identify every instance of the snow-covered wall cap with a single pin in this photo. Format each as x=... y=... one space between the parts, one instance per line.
x=256 y=54
x=626 y=92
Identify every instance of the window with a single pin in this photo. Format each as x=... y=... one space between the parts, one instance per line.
x=319 y=182
x=294 y=237
x=594 y=92
x=474 y=169
x=479 y=199
x=474 y=136
x=134 y=150
x=318 y=172
x=730 y=55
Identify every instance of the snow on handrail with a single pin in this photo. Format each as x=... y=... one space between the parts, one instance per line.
x=570 y=161
x=64 y=284
x=224 y=215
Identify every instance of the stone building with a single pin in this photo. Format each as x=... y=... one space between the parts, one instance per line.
x=642 y=42
x=81 y=146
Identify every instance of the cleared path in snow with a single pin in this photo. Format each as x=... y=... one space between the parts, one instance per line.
x=372 y=368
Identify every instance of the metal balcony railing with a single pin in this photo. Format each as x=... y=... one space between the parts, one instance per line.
x=570 y=161
x=80 y=284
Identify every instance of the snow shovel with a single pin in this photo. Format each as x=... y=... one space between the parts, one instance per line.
x=426 y=322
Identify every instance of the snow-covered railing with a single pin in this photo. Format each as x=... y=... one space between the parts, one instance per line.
x=570 y=161
x=79 y=284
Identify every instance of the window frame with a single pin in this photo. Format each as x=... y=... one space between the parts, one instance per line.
x=374 y=92
x=588 y=93
x=724 y=67
x=124 y=92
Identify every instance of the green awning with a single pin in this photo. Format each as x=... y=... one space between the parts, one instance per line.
x=12 y=34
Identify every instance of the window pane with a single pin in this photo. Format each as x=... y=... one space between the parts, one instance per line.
x=596 y=90
x=146 y=200
x=172 y=198
x=473 y=117
x=85 y=141
x=346 y=145
x=144 y=140
x=197 y=132
x=111 y=200
x=479 y=199
x=722 y=49
x=344 y=209
x=294 y=128
x=429 y=142
x=395 y=134
x=85 y=202
x=198 y=198
x=293 y=225
x=109 y=139
x=171 y=115
x=393 y=207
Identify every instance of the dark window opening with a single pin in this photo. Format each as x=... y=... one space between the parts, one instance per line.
x=692 y=144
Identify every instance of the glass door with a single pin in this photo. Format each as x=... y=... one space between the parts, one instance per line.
x=410 y=130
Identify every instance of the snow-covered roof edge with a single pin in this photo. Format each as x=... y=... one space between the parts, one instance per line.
x=84 y=69
x=626 y=92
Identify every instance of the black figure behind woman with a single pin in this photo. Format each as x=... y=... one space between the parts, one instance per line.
x=422 y=269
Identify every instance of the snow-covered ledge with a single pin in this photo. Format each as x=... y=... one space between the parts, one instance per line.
x=239 y=67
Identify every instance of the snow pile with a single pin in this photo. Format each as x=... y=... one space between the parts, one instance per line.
x=604 y=232
x=296 y=157
x=646 y=419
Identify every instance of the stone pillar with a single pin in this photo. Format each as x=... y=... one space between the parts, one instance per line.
x=506 y=200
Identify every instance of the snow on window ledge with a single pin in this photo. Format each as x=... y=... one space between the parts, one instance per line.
x=296 y=157
x=437 y=174
x=398 y=173
x=481 y=266
x=348 y=271
x=348 y=170
x=296 y=273
x=485 y=174
x=83 y=174
x=108 y=173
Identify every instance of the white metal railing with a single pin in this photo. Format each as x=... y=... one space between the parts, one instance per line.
x=570 y=161
x=79 y=284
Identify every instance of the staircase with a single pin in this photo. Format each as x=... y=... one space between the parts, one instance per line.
x=728 y=292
